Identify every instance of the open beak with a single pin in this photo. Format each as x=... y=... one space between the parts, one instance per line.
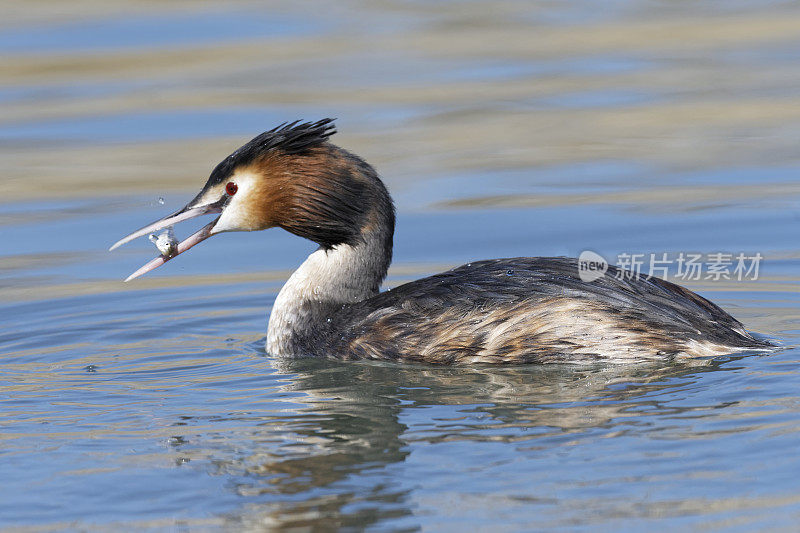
x=188 y=212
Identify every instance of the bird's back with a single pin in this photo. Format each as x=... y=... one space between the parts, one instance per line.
x=530 y=309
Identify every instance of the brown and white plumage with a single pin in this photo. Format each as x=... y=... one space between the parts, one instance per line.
x=520 y=310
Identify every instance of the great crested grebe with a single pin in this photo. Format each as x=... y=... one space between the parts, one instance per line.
x=521 y=310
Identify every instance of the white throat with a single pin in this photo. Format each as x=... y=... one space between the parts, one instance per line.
x=341 y=275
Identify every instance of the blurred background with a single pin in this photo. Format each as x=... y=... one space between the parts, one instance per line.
x=658 y=107
x=503 y=128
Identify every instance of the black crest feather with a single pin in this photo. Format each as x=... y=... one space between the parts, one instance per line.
x=291 y=138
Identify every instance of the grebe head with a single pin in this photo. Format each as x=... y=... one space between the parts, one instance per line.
x=289 y=177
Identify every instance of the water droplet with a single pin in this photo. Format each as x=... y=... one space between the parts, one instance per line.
x=91 y=368
x=509 y=272
x=329 y=320
x=160 y=200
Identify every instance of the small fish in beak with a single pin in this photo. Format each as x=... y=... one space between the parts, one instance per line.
x=187 y=213
x=166 y=243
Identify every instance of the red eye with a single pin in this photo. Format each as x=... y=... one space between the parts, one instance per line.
x=231 y=188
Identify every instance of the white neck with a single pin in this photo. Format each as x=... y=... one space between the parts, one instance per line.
x=341 y=275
